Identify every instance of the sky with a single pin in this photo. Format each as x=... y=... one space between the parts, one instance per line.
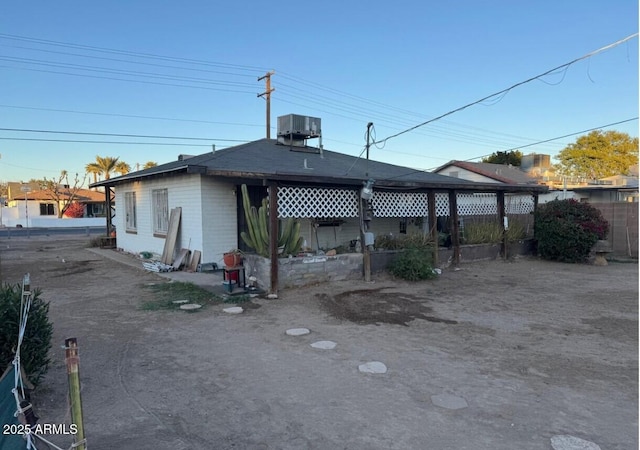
x=73 y=75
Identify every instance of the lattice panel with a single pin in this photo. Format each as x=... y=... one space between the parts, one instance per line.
x=519 y=204
x=442 y=204
x=317 y=202
x=400 y=204
x=477 y=204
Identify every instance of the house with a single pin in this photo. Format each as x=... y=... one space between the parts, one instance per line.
x=29 y=205
x=322 y=189
x=485 y=172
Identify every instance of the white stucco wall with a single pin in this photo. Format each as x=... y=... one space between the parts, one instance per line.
x=208 y=222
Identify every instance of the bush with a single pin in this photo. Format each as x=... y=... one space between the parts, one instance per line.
x=566 y=230
x=413 y=264
x=34 y=352
x=404 y=241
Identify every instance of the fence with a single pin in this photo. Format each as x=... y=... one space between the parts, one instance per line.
x=623 y=227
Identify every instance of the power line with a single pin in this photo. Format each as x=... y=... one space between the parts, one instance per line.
x=526 y=145
x=131 y=116
x=23 y=130
x=504 y=91
x=105 y=142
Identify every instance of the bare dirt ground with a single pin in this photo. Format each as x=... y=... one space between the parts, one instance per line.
x=534 y=348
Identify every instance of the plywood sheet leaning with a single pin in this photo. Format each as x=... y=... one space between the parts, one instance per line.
x=172 y=236
x=195 y=260
x=181 y=258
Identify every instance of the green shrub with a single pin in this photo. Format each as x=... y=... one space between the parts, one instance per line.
x=566 y=230
x=34 y=352
x=413 y=264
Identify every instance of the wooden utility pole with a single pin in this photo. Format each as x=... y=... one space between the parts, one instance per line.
x=364 y=210
x=267 y=96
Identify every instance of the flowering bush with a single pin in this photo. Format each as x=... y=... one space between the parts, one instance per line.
x=75 y=210
x=566 y=230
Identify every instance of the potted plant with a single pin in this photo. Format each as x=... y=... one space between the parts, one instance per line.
x=232 y=258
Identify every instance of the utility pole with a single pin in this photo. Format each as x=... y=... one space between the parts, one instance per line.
x=365 y=217
x=267 y=96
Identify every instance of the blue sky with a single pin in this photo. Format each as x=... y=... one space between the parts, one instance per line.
x=85 y=67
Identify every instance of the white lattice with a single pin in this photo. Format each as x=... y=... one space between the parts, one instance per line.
x=477 y=204
x=317 y=202
x=400 y=204
x=519 y=204
x=442 y=204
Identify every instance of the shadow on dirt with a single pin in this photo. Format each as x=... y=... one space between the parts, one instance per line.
x=372 y=306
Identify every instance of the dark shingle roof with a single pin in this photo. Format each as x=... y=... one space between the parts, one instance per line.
x=267 y=159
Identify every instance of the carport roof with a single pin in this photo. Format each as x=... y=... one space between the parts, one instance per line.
x=266 y=159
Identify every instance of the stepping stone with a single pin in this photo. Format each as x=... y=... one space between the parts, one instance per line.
x=373 y=367
x=180 y=302
x=190 y=306
x=324 y=345
x=233 y=310
x=568 y=442
x=297 y=331
x=449 y=401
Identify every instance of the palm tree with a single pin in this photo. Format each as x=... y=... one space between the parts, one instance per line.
x=122 y=168
x=102 y=166
x=149 y=164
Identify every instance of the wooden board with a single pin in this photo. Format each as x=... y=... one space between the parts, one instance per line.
x=181 y=258
x=172 y=236
x=195 y=260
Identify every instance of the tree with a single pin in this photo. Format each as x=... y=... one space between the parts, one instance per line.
x=149 y=165
x=598 y=155
x=62 y=192
x=75 y=210
x=102 y=166
x=122 y=168
x=513 y=157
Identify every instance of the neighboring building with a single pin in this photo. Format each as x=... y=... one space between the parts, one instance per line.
x=320 y=188
x=28 y=205
x=485 y=173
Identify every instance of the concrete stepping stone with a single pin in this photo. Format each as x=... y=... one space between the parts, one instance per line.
x=180 y=302
x=568 y=442
x=372 y=367
x=190 y=306
x=324 y=345
x=297 y=331
x=449 y=401
x=233 y=310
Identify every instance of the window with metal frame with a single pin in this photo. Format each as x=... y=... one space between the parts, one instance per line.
x=131 y=219
x=160 y=211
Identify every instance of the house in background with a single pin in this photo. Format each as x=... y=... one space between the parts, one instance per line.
x=28 y=205
x=486 y=173
x=320 y=188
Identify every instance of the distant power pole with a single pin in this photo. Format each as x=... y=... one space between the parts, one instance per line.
x=267 y=96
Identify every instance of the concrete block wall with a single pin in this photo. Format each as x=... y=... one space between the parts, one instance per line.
x=303 y=271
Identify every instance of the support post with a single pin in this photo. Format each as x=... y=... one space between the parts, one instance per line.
x=107 y=204
x=433 y=224
x=273 y=235
x=73 y=368
x=455 y=229
x=500 y=208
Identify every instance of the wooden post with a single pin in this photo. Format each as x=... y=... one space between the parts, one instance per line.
x=433 y=224
x=500 y=208
x=73 y=367
x=455 y=229
x=273 y=234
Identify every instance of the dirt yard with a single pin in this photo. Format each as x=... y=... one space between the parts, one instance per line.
x=495 y=355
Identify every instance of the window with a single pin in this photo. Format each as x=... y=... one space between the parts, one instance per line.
x=131 y=222
x=454 y=173
x=160 y=211
x=47 y=209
